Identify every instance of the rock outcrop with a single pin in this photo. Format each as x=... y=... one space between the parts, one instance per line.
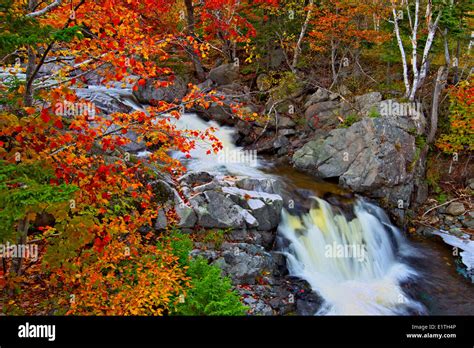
x=239 y=203
x=376 y=156
x=149 y=92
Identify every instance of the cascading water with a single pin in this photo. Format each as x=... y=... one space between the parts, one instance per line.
x=231 y=160
x=352 y=263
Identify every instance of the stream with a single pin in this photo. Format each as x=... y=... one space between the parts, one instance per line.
x=345 y=247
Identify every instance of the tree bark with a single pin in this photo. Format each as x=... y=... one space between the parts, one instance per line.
x=441 y=80
x=402 y=52
x=23 y=226
x=201 y=75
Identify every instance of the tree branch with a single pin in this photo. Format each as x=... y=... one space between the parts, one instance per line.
x=48 y=8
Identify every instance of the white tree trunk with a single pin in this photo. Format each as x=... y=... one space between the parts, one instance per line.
x=402 y=52
x=301 y=37
x=419 y=71
x=419 y=79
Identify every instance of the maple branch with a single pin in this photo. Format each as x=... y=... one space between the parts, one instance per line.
x=119 y=129
x=31 y=79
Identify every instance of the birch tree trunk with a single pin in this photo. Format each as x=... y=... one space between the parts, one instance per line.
x=402 y=52
x=301 y=37
x=419 y=72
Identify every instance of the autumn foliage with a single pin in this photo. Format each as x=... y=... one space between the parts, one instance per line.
x=67 y=182
x=460 y=134
x=98 y=254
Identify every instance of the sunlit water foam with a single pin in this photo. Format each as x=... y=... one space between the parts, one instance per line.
x=363 y=282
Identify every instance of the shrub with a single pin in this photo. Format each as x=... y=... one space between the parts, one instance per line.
x=209 y=292
x=461 y=131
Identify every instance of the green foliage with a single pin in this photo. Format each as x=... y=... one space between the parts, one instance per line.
x=181 y=245
x=349 y=121
x=374 y=113
x=286 y=85
x=216 y=237
x=210 y=293
x=17 y=31
x=442 y=198
x=456 y=17
x=8 y=94
x=420 y=141
x=433 y=175
x=26 y=189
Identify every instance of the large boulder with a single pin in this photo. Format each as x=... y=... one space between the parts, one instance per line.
x=240 y=203
x=365 y=103
x=149 y=93
x=224 y=74
x=326 y=114
x=407 y=116
x=169 y=198
x=375 y=157
x=106 y=101
x=244 y=263
x=215 y=210
x=265 y=207
x=267 y=185
x=222 y=111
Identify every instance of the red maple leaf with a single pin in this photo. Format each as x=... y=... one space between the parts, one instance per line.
x=45 y=116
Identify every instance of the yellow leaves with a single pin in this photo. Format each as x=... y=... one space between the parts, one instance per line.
x=8 y=120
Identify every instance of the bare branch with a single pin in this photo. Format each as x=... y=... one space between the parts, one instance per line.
x=48 y=8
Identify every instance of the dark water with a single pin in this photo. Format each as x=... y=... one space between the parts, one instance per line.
x=439 y=286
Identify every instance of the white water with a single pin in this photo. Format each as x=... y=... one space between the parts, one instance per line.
x=227 y=160
x=366 y=279
x=353 y=264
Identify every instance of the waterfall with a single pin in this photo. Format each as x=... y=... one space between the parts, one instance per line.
x=353 y=264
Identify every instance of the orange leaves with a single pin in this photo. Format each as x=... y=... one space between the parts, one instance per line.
x=128 y=278
x=58 y=124
x=342 y=22
x=30 y=110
